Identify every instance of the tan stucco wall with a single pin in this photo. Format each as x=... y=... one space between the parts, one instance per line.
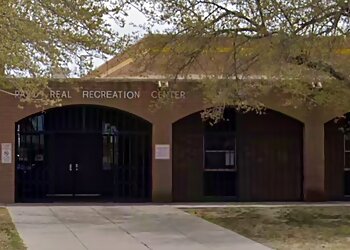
x=162 y=120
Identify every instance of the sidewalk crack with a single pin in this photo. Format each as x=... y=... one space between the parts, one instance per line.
x=121 y=228
x=69 y=229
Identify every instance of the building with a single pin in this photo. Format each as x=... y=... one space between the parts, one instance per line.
x=106 y=144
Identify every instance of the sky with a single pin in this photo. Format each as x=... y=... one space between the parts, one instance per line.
x=134 y=17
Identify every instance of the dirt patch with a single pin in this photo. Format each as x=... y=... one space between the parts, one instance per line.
x=286 y=227
x=9 y=238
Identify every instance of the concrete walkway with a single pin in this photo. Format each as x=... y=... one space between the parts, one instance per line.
x=121 y=228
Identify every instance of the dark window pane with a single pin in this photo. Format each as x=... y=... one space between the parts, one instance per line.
x=108 y=152
x=217 y=141
x=347 y=183
x=347 y=142
x=347 y=160
x=219 y=159
x=220 y=183
x=34 y=121
x=41 y=123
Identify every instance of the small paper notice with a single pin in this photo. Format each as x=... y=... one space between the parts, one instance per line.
x=6 y=153
x=162 y=152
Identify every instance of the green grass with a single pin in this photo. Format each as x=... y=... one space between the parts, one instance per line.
x=9 y=238
x=287 y=227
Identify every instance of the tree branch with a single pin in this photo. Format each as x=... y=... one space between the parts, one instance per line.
x=232 y=12
x=319 y=66
x=258 y=3
x=317 y=18
x=7 y=92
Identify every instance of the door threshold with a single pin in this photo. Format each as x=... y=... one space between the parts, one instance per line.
x=59 y=195
x=73 y=195
x=87 y=195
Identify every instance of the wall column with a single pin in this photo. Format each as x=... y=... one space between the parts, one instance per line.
x=7 y=135
x=161 y=169
x=314 y=164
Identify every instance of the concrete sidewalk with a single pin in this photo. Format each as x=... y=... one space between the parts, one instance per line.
x=121 y=227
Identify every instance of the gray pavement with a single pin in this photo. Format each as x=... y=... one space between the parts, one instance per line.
x=121 y=227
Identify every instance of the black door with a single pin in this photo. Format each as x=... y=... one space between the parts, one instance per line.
x=78 y=166
x=62 y=165
x=91 y=179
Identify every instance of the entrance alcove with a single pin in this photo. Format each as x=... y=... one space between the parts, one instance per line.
x=245 y=157
x=337 y=158
x=83 y=152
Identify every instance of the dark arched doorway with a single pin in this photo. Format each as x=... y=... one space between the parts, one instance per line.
x=337 y=158
x=83 y=152
x=245 y=157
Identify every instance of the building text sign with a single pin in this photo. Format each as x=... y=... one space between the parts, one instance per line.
x=6 y=153
x=162 y=152
x=110 y=94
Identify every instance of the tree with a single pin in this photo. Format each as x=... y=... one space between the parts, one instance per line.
x=40 y=38
x=300 y=47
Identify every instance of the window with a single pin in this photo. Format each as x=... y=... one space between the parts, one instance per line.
x=347 y=164
x=30 y=151
x=220 y=151
x=108 y=149
x=220 y=158
x=110 y=138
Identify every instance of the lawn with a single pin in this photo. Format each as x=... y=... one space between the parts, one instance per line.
x=9 y=238
x=286 y=227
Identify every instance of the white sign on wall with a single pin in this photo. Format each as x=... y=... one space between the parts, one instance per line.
x=162 y=152
x=6 y=153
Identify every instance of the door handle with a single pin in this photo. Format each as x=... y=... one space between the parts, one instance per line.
x=76 y=167
x=70 y=167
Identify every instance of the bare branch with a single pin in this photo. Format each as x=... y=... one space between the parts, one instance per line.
x=319 y=66
x=232 y=12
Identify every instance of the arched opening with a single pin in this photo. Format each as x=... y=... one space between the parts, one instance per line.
x=83 y=152
x=246 y=157
x=337 y=159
